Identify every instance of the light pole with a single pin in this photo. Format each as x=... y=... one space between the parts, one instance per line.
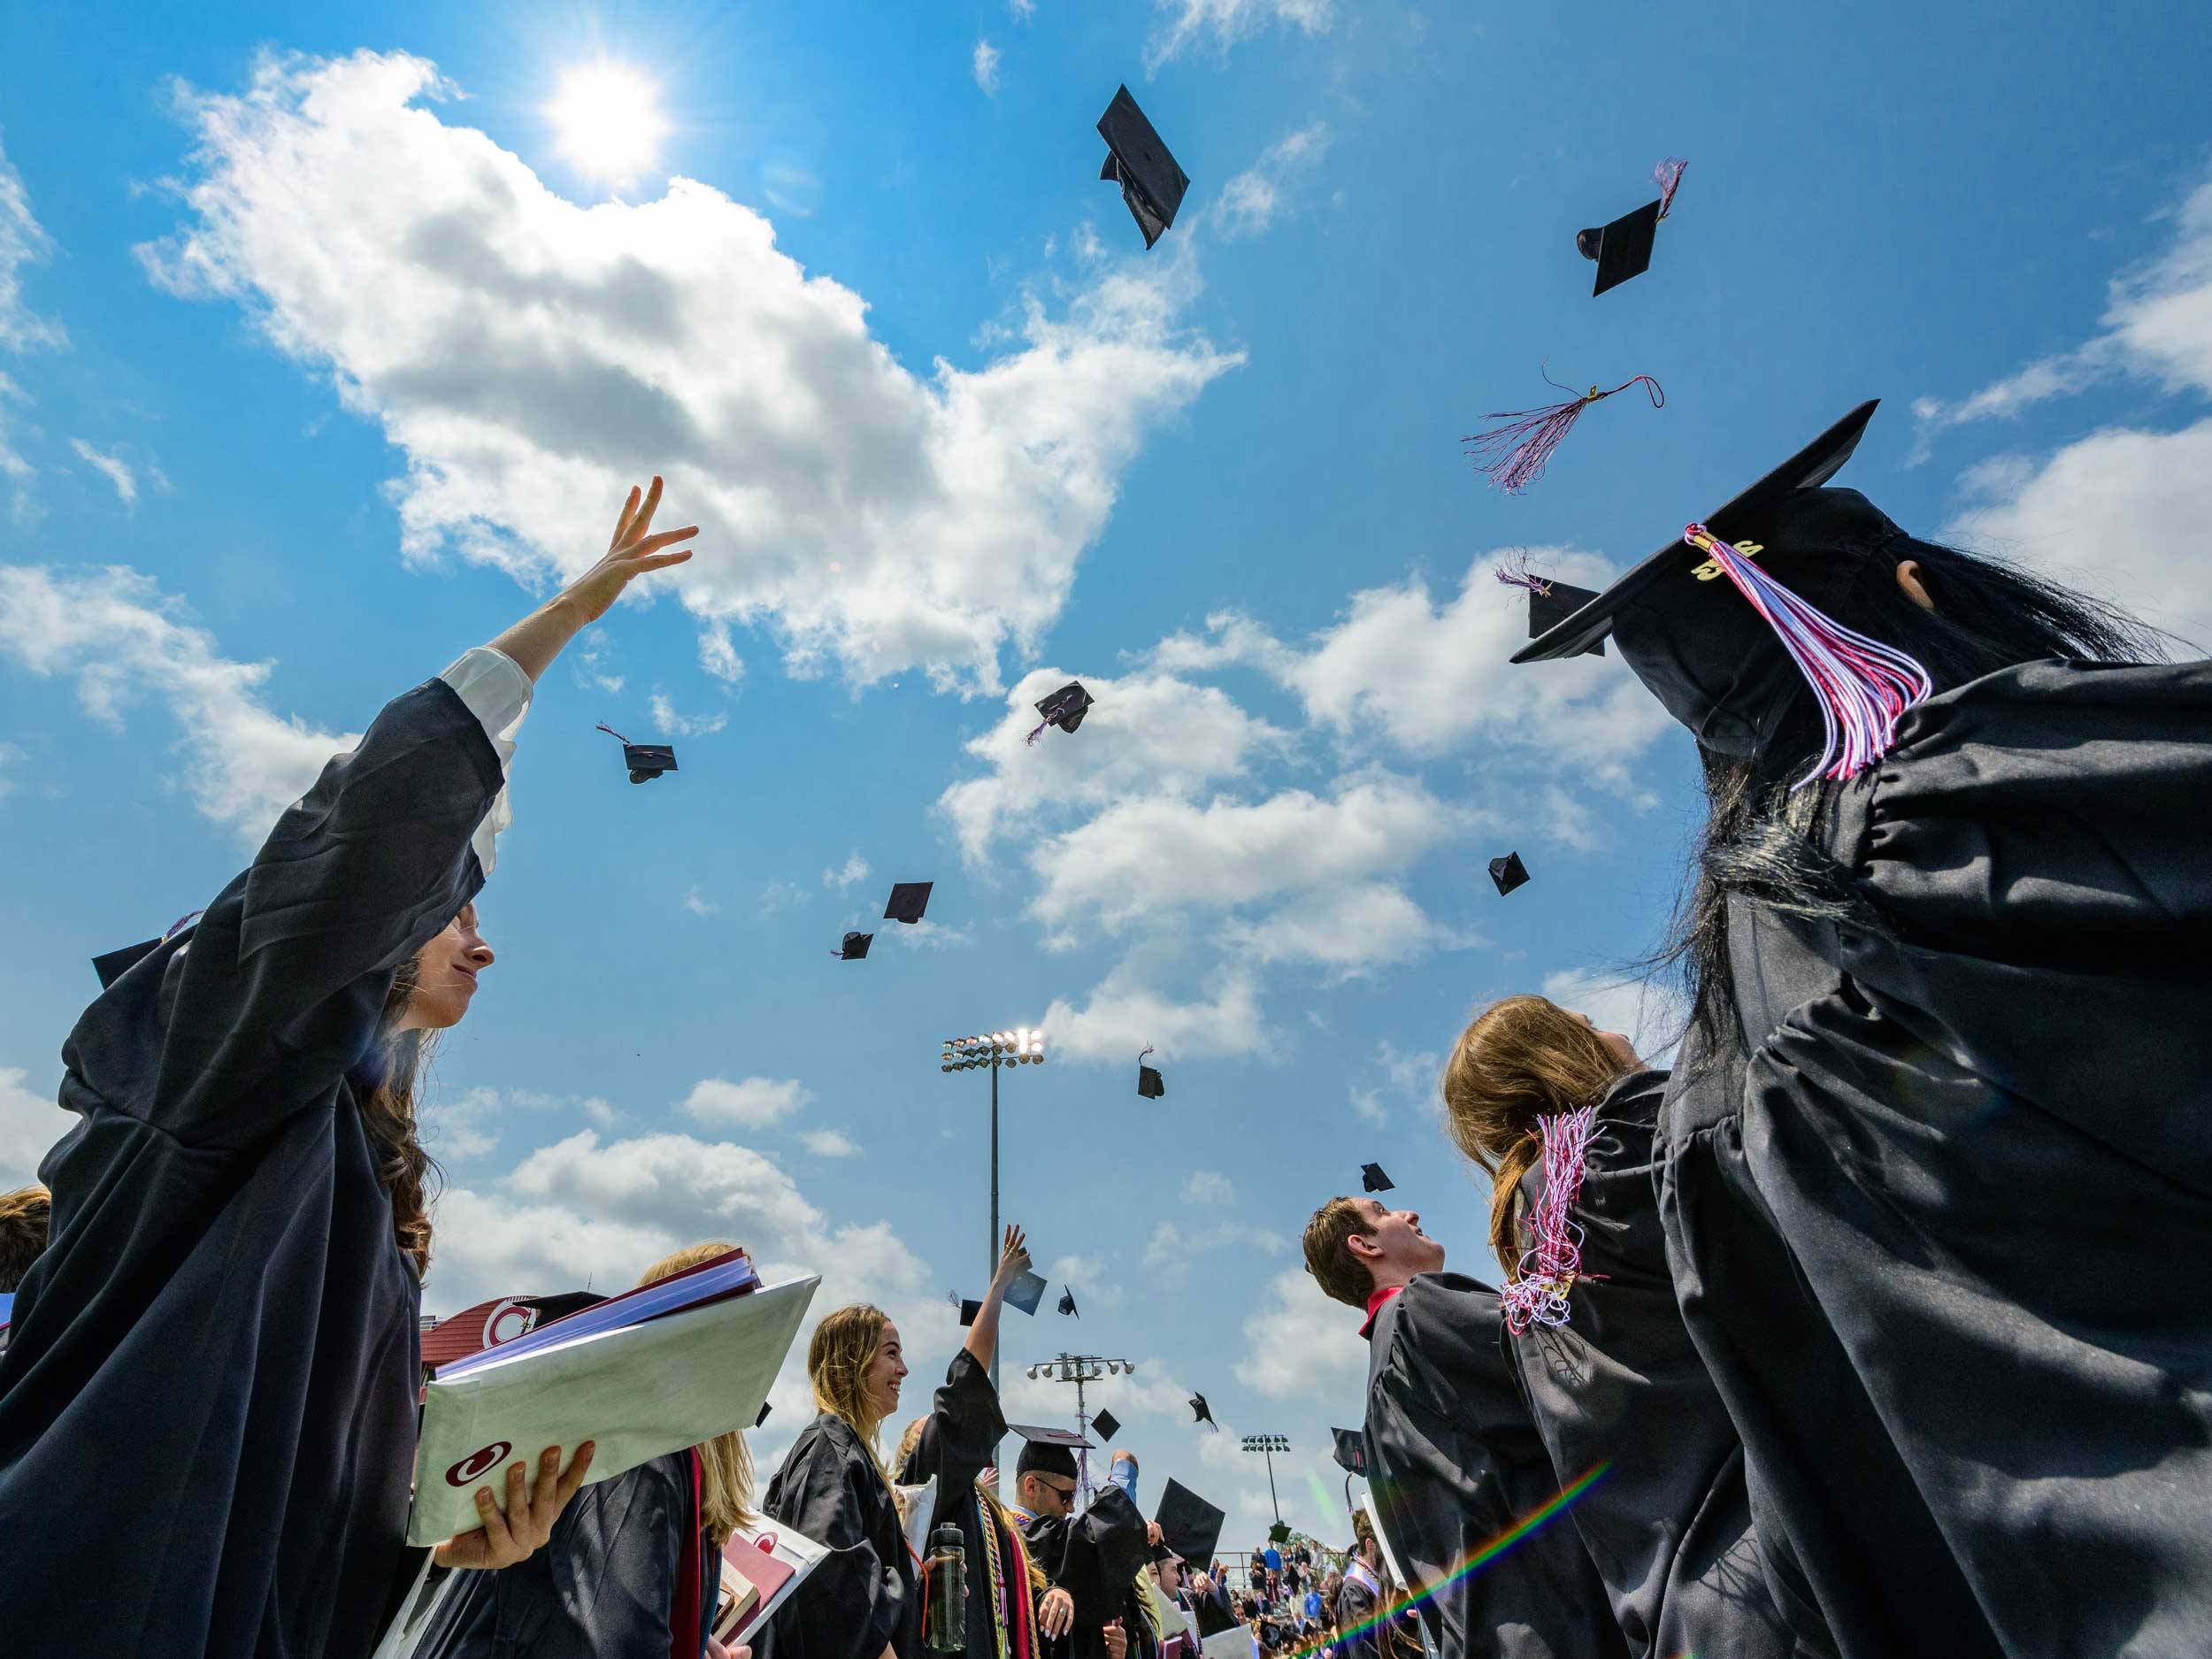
x=996 y=1049
x=1080 y=1368
x=1270 y=1444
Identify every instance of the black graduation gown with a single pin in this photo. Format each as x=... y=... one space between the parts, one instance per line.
x=864 y=1596
x=207 y=1415
x=603 y=1587
x=1940 y=1226
x=1669 y=1527
x=1094 y=1557
x=959 y=1438
x=1453 y=1463
x=1356 y=1606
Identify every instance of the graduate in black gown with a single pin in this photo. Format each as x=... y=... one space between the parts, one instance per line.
x=1359 y=1602
x=1937 y=1182
x=1563 y=1115
x=1092 y=1558
x=1454 y=1462
x=954 y=1445
x=634 y=1563
x=864 y=1600
x=227 y=1306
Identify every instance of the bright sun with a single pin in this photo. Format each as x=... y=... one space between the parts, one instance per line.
x=604 y=117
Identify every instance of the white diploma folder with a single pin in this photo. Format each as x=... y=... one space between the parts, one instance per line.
x=638 y=1390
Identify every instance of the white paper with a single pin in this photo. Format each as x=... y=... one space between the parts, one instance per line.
x=795 y=1550
x=916 y=1504
x=425 y=1597
x=639 y=1392
x=1234 y=1643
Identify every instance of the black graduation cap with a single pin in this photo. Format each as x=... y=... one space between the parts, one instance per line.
x=1067 y=1301
x=646 y=761
x=1508 y=872
x=1553 y=604
x=854 y=947
x=1373 y=1179
x=968 y=1311
x=1148 y=1084
x=1064 y=708
x=1151 y=182
x=116 y=963
x=1351 y=1450
x=1622 y=248
x=763 y=1417
x=909 y=900
x=1201 y=1412
x=1107 y=1425
x=1189 y=1525
x=1026 y=1291
x=1278 y=1533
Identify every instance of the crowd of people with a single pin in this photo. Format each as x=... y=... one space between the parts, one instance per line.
x=1873 y=1325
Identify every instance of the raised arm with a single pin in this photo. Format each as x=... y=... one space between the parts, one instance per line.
x=1013 y=1261
x=534 y=642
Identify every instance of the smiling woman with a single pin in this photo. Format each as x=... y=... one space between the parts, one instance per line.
x=607 y=121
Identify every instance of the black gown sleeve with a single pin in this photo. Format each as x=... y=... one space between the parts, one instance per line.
x=959 y=1438
x=275 y=994
x=855 y=1602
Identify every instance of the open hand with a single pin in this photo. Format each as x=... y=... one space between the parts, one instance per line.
x=631 y=554
x=1013 y=1258
x=513 y=1534
x=1056 y=1614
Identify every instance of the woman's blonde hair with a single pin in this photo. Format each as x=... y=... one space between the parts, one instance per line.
x=725 y=1464
x=837 y=1360
x=1520 y=1062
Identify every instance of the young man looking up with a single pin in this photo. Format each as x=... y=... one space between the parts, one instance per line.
x=1453 y=1458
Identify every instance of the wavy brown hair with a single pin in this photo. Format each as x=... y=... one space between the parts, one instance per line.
x=837 y=1360
x=1521 y=1060
x=388 y=1080
x=25 y=1217
x=726 y=1463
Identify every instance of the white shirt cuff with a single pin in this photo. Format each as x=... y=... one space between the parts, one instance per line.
x=498 y=693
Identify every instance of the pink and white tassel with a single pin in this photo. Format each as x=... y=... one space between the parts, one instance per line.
x=1668 y=176
x=1538 y=1295
x=1516 y=573
x=1863 y=687
x=1514 y=455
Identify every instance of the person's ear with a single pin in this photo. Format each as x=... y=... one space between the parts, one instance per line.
x=1908 y=580
x=1366 y=1245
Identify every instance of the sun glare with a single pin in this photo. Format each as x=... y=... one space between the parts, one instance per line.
x=607 y=121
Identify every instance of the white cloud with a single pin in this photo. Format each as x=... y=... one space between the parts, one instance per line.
x=672 y=724
x=718 y=653
x=1649 y=1013
x=23 y=241
x=116 y=633
x=1094 y=1284
x=1299 y=1345
x=589 y=660
x=1122 y=1016
x=779 y=895
x=698 y=903
x=828 y=1143
x=1173 y=1250
x=1209 y=1186
x=855 y=870
x=753 y=1103
x=1186 y=22
x=1253 y=199
x=1351 y=929
x=928 y=935
x=30 y=1123
x=984 y=65
x=112 y=468
x=532 y=357
x=1367 y=1106
x=1023 y=10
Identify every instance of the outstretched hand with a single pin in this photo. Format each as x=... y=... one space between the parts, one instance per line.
x=513 y=1534
x=1013 y=1260
x=632 y=552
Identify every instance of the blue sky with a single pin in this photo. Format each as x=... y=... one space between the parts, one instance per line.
x=321 y=357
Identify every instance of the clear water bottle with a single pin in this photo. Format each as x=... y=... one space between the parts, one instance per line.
x=947 y=1629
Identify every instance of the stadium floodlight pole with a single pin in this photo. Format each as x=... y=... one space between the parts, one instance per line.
x=1080 y=1368
x=1270 y=1444
x=996 y=1049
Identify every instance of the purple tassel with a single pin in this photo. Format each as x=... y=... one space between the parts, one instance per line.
x=1513 y=456
x=1037 y=732
x=177 y=925
x=1517 y=574
x=1538 y=1295
x=1863 y=685
x=1668 y=176
x=610 y=732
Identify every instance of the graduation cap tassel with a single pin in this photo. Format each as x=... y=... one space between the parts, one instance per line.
x=1038 y=732
x=1863 y=687
x=1517 y=575
x=1513 y=456
x=1538 y=1295
x=610 y=732
x=1668 y=176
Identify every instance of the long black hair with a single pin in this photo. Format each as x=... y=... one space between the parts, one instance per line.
x=1757 y=841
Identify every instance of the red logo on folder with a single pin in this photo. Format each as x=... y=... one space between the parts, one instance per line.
x=476 y=1462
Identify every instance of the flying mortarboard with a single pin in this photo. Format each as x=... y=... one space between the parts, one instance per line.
x=646 y=761
x=1151 y=182
x=1730 y=665
x=1148 y=1083
x=1278 y=1533
x=1064 y=708
x=1201 y=1412
x=1189 y=1525
x=1351 y=1450
x=1067 y=1300
x=855 y=949
x=968 y=1310
x=1508 y=872
x=1026 y=1291
x=1549 y=603
x=1373 y=1179
x=1107 y=1425
x=909 y=900
x=1623 y=248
